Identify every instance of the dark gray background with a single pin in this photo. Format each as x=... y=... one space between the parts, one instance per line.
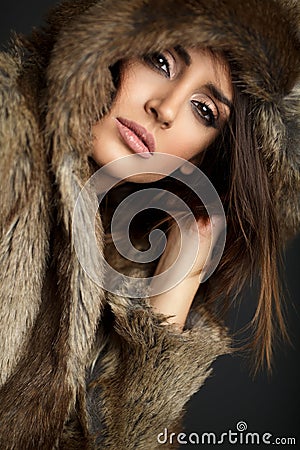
x=266 y=404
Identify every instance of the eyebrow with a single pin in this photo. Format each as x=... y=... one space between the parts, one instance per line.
x=183 y=54
x=215 y=92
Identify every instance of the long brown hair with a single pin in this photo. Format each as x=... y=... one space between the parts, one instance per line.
x=235 y=166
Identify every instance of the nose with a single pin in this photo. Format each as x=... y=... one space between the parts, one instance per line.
x=164 y=109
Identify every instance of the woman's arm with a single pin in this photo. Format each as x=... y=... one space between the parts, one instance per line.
x=176 y=302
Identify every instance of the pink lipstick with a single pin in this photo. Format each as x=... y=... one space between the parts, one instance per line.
x=136 y=137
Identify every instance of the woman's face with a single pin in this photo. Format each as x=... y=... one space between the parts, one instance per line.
x=175 y=102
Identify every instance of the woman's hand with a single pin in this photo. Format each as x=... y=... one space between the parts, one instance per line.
x=177 y=301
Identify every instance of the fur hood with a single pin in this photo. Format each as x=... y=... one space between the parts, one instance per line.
x=53 y=84
x=261 y=39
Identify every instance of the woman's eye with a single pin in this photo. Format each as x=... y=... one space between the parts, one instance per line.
x=160 y=62
x=205 y=112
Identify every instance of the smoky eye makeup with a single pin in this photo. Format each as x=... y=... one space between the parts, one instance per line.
x=206 y=111
x=213 y=109
x=162 y=62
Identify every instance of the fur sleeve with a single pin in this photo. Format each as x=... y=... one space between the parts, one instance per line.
x=147 y=374
x=23 y=244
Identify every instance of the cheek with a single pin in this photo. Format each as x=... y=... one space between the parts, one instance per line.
x=188 y=139
x=104 y=145
x=132 y=91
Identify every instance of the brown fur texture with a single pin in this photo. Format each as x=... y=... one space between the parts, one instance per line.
x=80 y=368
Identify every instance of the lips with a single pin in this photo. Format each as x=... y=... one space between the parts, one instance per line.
x=136 y=137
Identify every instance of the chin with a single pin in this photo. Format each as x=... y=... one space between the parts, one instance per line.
x=145 y=178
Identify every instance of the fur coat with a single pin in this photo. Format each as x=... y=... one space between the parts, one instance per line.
x=81 y=368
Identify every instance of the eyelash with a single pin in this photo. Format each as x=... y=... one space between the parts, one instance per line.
x=207 y=113
x=157 y=61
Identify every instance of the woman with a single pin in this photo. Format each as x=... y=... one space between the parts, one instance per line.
x=83 y=368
